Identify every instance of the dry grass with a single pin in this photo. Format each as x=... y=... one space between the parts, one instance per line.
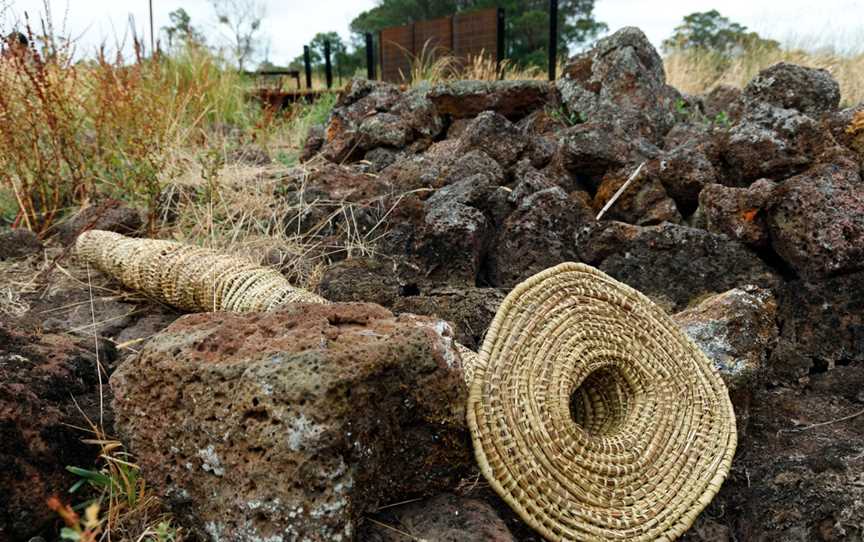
x=699 y=72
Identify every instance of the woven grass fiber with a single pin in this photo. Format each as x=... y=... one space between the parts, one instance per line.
x=188 y=277
x=593 y=415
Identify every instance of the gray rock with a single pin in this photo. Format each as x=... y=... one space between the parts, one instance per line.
x=809 y=90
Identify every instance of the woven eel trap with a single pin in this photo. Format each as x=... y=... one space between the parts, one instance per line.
x=593 y=415
x=189 y=277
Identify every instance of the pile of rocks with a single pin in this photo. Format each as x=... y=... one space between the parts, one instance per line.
x=746 y=223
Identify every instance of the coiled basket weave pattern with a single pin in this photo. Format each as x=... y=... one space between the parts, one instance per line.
x=593 y=415
x=189 y=277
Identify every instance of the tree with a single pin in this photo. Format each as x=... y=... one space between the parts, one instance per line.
x=181 y=30
x=527 y=22
x=242 y=20
x=710 y=31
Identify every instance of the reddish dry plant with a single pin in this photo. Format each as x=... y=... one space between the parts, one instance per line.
x=75 y=132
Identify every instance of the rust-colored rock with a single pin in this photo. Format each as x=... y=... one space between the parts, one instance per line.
x=816 y=219
x=39 y=376
x=738 y=212
x=291 y=425
x=512 y=99
x=644 y=202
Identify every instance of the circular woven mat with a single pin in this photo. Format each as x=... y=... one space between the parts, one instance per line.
x=593 y=415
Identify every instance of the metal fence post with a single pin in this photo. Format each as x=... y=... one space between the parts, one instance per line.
x=307 y=64
x=328 y=68
x=553 y=38
x=500 y=53
x=370 y=57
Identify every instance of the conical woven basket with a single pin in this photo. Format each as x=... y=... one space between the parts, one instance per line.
x=593 y=415
x=188 y=277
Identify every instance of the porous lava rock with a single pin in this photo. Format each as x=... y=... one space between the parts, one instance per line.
x=811 y=91
x=18 y=243
x=816 y=219
x=370 y=114
x=797 y=475
x=670 y=263
x=291 y=425
x=538 y=234
x=41 y=378
x=771 y=142
x=739 y=213
x=512 y=99
x=621 y=81
x=737 y=330
x=361 y=280
x=495 y=135
x=471 y=310
x=643 y=202
x=443 y=518
x=108 y=215
x=821 y=326
x=683 y=172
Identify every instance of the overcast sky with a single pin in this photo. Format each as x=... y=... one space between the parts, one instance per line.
x=291 y=23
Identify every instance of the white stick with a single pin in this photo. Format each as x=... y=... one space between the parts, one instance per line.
x=620 y=191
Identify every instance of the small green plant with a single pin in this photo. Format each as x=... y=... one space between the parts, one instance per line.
x=568 y=118
x=722 y=119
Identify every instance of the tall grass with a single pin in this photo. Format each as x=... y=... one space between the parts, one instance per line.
x=71 y=131
x=696 y=72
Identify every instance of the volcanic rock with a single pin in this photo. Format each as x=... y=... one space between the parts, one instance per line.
x=672 y=264
x=809 y=90
x=738 y=212
x=512 y=99
x=816 y=219
x=352 y=407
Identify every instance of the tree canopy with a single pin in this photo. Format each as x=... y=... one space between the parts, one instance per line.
x=708 y=30
x=527 y=22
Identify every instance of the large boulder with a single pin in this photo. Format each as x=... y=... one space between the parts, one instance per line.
x=737 y=330
x=352 y=407
x=821 y=326
x=512 y=99
x=816 y=219
x=43 y=380
x=621 y=81
x=672 y=264
x=811 y=91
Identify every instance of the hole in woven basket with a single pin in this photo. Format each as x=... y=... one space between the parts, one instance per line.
x=601 y=403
